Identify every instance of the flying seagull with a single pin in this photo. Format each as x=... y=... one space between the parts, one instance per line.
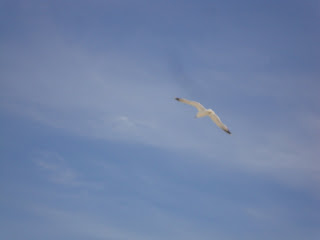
x=202 y=112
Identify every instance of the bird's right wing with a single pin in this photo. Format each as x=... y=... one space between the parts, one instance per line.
x=217 y=121
x=192 y=103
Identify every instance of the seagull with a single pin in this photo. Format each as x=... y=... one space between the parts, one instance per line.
x=202 y=112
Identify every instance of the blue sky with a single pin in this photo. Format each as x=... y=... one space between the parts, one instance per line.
x=94 y=146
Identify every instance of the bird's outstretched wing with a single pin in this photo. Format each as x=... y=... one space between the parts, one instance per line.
x=217 y=121
x=192 y=103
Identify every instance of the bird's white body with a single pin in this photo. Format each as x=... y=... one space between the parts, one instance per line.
x=203 y=112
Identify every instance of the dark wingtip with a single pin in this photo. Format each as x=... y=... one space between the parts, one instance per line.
x=228 y=131
x=178 y=99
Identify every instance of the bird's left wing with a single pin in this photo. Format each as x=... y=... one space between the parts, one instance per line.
x=217 y=121
x=192 y=103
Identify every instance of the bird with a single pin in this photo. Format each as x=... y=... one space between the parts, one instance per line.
x=202 y=112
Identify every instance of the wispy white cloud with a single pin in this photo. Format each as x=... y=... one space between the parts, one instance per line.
x=57 y=171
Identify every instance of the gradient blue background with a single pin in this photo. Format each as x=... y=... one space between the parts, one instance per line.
x=94 y=146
